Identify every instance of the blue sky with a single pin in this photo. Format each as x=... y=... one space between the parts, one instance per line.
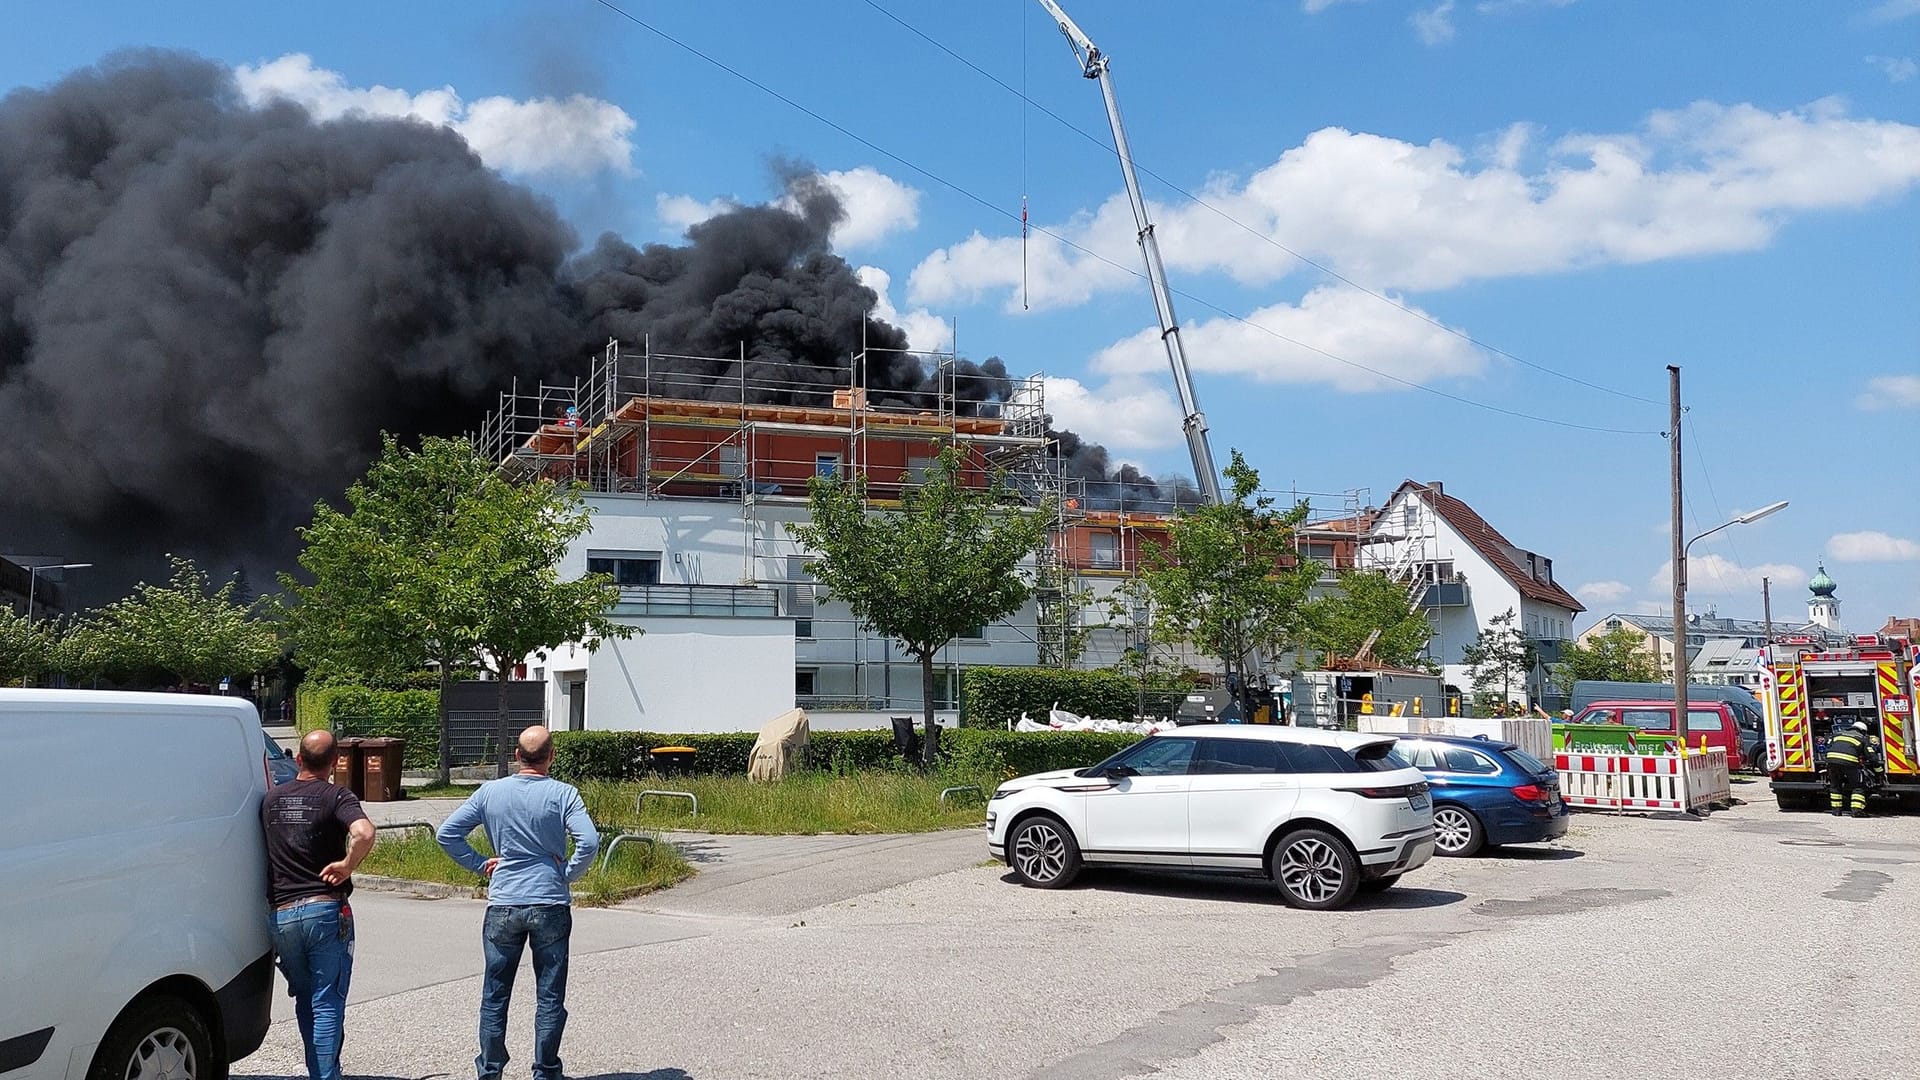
x=1597 y=188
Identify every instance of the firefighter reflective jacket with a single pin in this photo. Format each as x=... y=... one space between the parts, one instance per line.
x=1848 y=748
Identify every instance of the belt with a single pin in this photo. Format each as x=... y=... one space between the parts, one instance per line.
x=305 y=900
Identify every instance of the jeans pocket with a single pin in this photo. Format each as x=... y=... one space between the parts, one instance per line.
x=346 y=928
x=550 y=923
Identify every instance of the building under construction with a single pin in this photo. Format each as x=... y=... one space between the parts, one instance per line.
x=696 y=467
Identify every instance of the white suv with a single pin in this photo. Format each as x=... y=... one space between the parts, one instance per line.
x=1325 y=814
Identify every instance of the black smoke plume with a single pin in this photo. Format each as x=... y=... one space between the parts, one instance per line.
x=209 y=312
x=1119 y=488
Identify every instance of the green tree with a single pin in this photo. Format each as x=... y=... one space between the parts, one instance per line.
x=1366 y=601
x=28 y=647
x=1499 y=658
x=438 y=561
x=183 y=633
x=1620 y=655
x=1228 y=582
x=948 y=560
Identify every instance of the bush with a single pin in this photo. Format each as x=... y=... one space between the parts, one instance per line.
x=413 y=715
x=585 y=756
x=993 y=697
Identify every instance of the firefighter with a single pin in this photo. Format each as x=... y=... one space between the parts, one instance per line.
x=1849 y=755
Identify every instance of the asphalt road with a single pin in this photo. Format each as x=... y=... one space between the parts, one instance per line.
x=1752 y=944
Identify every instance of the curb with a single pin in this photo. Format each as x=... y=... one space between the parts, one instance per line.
x=424 y=890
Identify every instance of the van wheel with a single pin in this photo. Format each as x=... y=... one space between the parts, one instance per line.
x=157 y=1038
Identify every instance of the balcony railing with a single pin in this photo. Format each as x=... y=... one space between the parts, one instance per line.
x=729 y=601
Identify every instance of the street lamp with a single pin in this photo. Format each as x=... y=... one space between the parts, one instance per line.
x=33 y=579
x=1680 y=665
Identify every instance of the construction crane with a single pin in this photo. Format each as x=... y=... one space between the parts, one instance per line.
x=1093 y=64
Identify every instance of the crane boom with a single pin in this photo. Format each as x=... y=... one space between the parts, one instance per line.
x=1093 y=64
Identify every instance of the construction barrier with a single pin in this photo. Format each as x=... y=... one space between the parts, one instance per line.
x=1531 y=734
x=1645 y=783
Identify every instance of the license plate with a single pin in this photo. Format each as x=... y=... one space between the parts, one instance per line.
x=1419 y=802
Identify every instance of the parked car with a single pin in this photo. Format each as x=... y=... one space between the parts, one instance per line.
x=281 y=767
x=1728 y=725
x=135 y=913
x=1325 y=814
x=1486 y=793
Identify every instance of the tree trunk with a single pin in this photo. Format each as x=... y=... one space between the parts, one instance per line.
x=926 y=698
x=503 y=723
x=446 y=735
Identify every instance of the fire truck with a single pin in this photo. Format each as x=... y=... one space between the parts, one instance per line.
x=1810 y=690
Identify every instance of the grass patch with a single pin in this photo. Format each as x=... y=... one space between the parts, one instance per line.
x=442 y=791
x=803 y=804
x=637 y=868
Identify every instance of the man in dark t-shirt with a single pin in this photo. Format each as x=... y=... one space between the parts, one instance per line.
x=316 y=835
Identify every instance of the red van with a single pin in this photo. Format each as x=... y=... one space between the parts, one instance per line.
x=1722 y=724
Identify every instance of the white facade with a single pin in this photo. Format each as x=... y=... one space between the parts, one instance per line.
x=1468 y=591
x=735 y=633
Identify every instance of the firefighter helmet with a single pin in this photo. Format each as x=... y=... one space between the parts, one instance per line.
x=1860 y=726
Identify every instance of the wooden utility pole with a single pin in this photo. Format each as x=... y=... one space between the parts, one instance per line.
x=1679 y=564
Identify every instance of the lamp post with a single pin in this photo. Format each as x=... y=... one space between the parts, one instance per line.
x=1680 y=664
x=33 y=580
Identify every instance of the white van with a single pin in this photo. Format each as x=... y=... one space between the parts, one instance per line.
x=133 y=914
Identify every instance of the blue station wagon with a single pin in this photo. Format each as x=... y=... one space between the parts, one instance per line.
x=1486 y=793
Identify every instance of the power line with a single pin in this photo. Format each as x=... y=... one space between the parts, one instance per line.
x=1108 y=148
x=1090 y=253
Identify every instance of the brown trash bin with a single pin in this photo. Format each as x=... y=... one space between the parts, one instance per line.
x=381 y=762
x=346 y=767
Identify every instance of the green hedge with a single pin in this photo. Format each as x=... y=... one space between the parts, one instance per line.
x=582 y=756
x=413 y=715
x=993 y=697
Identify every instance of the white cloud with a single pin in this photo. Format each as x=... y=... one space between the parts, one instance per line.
x=1435 y=25
x=577 y=134
x=1604 y=592
x=1897 y=69
x=1717 y=575
x=1704 y=179
x=1125 y=414
x=683 y=212
x=876 y=205
x=1314 y=7
x=926 y=331
x=1872 y=546
x=1891 y=392
x=1342 y=321
x=1894 y=10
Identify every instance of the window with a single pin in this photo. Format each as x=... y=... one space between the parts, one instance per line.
x=1647 y=719
x=1232 y=756
x=1614 y=624
x=826 y=466
x=626 y=567
x=917 y=469
x=804 y=680
x=1321 y=553
x=974 y=633
x=1421 y=754
x=1459 y=760
x=1382 y=757
x=1533 y=765
x=1104 y=550
x=1158 y=757
x=1313 y=758
x=945 y=683
x=1703 y=720
x=732 y=465
x=800 y=595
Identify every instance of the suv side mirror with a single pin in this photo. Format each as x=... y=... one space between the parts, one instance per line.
x=1120 y=772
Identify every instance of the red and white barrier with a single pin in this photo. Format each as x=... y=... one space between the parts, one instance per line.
x=1646 y=783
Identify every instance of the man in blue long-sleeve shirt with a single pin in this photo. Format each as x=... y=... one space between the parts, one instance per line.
x=528 y=818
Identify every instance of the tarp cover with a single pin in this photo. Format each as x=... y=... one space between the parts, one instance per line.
x=778 y=749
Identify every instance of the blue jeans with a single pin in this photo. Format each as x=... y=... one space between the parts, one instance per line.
x=505 y=934
x=314 y=942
